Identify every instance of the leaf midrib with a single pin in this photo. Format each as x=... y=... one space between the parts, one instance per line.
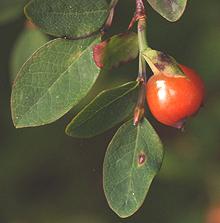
x=133 y=161
x=77 y=13
x=130 y=176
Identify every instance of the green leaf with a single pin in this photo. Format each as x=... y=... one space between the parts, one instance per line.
x=172 y=10
x=11 y=9
x=160 y=62
x=116 y=50
x=52 y=81
x=68 y=18
x=27 y=43
x=109 y=108
x=132 y=160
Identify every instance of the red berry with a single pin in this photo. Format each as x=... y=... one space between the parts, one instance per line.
x=172 y=99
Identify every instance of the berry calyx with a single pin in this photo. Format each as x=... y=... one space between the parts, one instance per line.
x=174 y=98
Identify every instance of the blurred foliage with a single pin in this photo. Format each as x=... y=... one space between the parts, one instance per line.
x=10 y=10
x=47 y=176
x=27 y=43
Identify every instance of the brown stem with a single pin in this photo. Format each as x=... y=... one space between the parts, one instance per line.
x=109 y=20
x=140 y=108
x=140 y=16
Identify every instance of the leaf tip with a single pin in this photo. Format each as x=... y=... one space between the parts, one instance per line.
x=16 y=122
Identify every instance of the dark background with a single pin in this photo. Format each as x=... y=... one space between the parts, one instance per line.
x=46 y=176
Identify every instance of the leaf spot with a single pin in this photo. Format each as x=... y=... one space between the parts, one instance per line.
x=142 y=159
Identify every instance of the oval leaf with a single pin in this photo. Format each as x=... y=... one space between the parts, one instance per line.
x=73 y=19
x=109 y=108
x=116 y=50
x=28 y=42
x=172 y=10
x=132 y=160
x=52 y=81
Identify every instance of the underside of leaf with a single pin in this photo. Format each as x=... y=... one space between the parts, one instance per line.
x=109 y=108
x=172 y=10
